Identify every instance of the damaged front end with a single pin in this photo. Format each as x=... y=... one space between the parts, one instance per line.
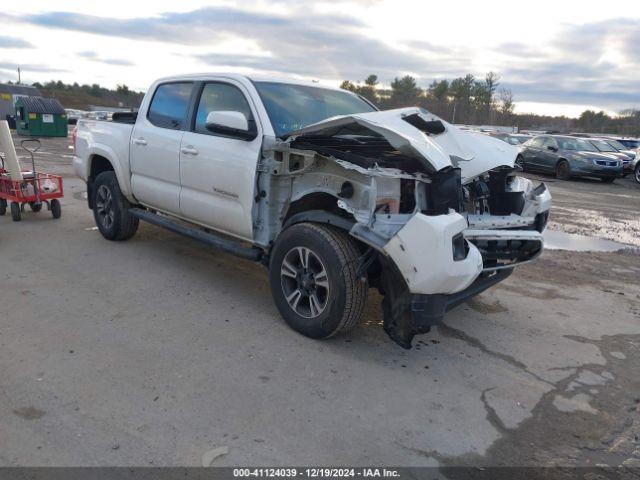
x=440 y=212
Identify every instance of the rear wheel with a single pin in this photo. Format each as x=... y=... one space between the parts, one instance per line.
x=637 y=172
x=520 y=162
x=313 y=279
x=3 y=206
x=16 y=215
x=56 y=208
x=111 y=209
x=563 y=170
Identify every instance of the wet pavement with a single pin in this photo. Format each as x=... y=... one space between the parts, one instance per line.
x=557 y=240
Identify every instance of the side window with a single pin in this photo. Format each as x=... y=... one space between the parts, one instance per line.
x=537 y=142
x=220 y=97
x=549 y=142
x=169 y=105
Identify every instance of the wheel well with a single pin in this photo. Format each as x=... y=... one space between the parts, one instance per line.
x=561 y=160
x=99 y=164
x=315 y=201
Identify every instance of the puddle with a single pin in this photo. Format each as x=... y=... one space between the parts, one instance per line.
x=555 y=240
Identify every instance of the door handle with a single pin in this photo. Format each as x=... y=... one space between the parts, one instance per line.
x=139 y=141
x=189 y=151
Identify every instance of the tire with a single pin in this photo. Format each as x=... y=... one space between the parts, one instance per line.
x=3 y=206
x=35 y=207
x=111 y=209
x=15 y=212
x=339 y=300
x=607 y=179
x=56 y=208
x=563 y=170
x=520 y=162
x=636 y=173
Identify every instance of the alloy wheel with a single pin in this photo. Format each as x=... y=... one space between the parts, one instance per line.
x=104 y=206
x=305 y=282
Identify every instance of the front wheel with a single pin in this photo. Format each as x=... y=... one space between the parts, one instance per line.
x=111 y=209
x=313 y=280
x=563 y=170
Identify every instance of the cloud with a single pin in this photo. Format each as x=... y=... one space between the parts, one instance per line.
x=26 y=67
x=93 y=56
x=12 y=42
x=303 y=42
x=589 y=63
x=594 y=63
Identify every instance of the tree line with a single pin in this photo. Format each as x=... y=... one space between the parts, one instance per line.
x=465 y=99
x=81 y=96
x=482 y=101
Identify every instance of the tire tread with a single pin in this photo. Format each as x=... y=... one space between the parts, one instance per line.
x=356 y=291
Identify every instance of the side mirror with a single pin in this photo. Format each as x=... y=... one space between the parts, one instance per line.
x=552 y=148
x=234 y=124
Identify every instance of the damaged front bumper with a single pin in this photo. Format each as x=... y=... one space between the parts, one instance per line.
x=437 y=262
x=428 y=310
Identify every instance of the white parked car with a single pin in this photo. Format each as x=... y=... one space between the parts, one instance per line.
x=330 y=194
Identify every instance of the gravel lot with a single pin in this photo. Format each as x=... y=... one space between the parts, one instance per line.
x=157 y=350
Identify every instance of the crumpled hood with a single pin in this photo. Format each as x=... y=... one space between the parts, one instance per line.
x=436 y=145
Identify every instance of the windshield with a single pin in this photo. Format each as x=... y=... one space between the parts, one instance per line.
x=291 y=107
x=616 y=144
x=603 y=146
x=578 y=144
x=631 y=143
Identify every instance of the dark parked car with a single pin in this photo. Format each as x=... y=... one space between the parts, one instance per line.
x=568 y=157
x=605 y=146
x=630 y=142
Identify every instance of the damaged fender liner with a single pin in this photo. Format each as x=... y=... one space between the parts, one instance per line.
x=406 y=314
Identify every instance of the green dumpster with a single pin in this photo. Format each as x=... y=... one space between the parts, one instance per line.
x=40 y=117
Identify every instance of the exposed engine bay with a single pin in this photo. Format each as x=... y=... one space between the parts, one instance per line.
x=440 y=213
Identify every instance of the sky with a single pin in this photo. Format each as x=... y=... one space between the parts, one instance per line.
x=556 y=57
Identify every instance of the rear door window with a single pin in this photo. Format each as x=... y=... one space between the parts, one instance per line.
x=169 y=105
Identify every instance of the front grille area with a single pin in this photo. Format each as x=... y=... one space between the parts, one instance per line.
x=607 y=163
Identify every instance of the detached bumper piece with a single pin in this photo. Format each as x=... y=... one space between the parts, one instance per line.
x=407 y=315
x=428 y=310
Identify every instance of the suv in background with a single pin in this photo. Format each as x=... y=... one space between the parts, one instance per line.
x=568 y=157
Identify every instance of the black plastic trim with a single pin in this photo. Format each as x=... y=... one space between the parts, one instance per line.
x=319 y=216
x=211 y=239
x=428 y=310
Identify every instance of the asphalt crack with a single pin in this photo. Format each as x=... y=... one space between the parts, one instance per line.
x=451 y=332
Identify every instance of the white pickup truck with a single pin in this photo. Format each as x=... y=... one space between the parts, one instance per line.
x=330 y=194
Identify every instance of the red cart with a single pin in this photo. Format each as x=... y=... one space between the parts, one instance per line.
x=34 y=189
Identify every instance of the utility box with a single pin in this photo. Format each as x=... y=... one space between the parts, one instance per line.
x=40 y=117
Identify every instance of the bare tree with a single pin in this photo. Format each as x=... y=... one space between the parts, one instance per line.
x=506 y=104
